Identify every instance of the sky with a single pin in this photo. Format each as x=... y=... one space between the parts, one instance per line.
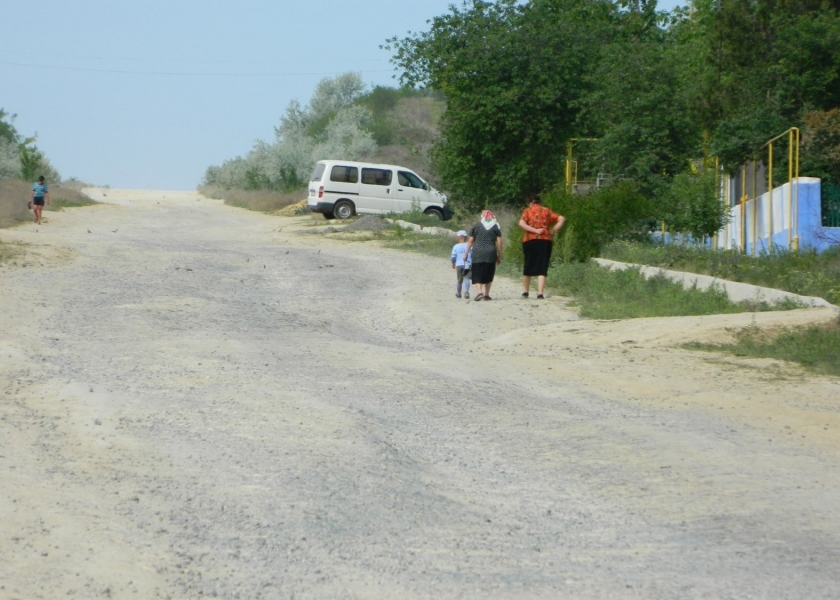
x=147 y=95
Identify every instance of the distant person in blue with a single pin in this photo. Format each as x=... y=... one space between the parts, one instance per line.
x=40 y=195
x=461 y=264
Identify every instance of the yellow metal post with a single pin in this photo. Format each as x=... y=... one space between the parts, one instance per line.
x=790 y=190
x=795 y=217
x=770 y=193
x=569 y=167
x=755 y=206
x=744 y=209
x=793 y=180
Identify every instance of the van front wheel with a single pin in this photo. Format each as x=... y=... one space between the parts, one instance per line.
x=344 y=209
x=436 y=213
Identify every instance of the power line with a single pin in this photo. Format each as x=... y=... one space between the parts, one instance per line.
x=174 y=73
x=170 y=60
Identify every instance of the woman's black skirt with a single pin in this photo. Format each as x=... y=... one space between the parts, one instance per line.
x=537 y=257
x=483 y=272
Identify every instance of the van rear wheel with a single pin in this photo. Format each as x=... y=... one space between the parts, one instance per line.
x=344 y=209
x=435 y=212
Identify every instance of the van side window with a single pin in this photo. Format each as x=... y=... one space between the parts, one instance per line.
x=318 y=172
x=409 y=179
x=345 y=174
x=377 y=176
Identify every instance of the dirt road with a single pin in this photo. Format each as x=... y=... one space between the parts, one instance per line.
x=198 y=401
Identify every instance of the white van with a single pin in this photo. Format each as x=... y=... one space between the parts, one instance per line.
x=341 y=188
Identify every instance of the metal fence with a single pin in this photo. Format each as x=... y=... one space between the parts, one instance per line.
x=830 y=200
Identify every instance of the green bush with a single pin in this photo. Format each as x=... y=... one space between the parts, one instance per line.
x=691 y=204
x=598 y=217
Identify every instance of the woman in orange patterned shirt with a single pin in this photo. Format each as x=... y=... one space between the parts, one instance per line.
x=536 y=222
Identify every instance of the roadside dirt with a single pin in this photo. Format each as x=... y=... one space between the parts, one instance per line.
x=199 y=401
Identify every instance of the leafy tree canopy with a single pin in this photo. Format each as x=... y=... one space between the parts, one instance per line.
x=658 y=90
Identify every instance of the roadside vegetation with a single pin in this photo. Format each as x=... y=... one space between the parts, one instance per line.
x=21 y=163
x=805 y=272
x=265 y=200
x=342 y=119
x=14 y=195
x=817 y=348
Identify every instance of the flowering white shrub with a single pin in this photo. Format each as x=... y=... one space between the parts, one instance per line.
x=9 y=160
x=301 y=140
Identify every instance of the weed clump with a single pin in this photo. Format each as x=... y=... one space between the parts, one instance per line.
x=816 y=347
x=266 y=201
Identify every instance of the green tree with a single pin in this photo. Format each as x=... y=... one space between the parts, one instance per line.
x=512 y=74
x=635 y=106
x=692 y=204
x=8 y=132
x=31 y=160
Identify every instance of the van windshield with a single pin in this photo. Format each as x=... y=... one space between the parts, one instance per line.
x=318 y=172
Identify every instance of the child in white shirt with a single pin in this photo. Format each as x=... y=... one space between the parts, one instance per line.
x=461 y=264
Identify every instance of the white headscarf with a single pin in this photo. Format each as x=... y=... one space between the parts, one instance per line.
x=488 y=219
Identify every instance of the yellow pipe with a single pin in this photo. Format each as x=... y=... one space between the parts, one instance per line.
x=770 y=193
x=796 y=204
x=569 y=167
x=755 y=209
x=744 y=209
x=793 y=134
x=569 y=156
x=790 y=189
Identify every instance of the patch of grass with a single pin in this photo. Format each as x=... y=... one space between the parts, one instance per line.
x=431 y=245
x=266 y=201
x=7 y=252
x=817 y=347
x=68 y=195
x=804 y=272
x=14 y=194
x=605 y=294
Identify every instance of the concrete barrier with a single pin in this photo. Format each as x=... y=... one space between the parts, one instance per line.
x=737 y=291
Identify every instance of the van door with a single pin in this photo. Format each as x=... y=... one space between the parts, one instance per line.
x=412 y=192
x=376 y=193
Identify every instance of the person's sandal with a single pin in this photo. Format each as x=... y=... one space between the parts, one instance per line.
x=524 y=294
x=467 y=295
x=479 y=297
x=540 y=297
x=487 y=298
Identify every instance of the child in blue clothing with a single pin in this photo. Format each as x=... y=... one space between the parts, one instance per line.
x=461 y=264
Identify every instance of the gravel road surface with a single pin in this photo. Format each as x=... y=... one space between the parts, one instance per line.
x=197 y=401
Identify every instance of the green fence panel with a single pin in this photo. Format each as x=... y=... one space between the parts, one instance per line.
x=830 y=204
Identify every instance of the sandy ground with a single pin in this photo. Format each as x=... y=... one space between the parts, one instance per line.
x=198 y=401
